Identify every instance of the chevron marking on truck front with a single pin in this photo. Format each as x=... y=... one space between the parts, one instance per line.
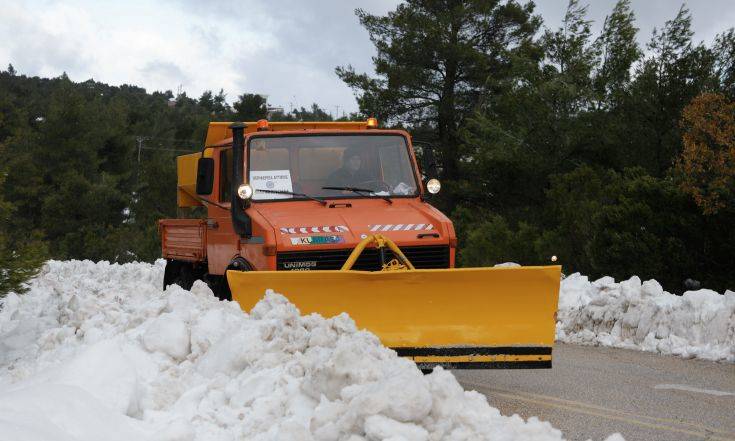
x=401 y=227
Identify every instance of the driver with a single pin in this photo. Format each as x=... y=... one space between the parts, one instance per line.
x=351 y=174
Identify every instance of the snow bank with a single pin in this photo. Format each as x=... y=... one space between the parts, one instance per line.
x=643 y=316
x=98 y=351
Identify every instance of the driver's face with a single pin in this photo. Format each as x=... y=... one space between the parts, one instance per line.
x=353 y=164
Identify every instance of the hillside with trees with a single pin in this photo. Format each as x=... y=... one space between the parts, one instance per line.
x=614 y=157
x=88 y=168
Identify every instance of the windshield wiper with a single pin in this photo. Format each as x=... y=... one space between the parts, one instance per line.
x=304 y=195
x=360 y=191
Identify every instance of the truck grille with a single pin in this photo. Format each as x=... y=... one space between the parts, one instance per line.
x=423 y=257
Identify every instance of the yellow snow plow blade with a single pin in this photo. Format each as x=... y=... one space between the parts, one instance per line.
x=457 y=318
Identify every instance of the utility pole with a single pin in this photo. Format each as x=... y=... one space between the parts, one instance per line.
x=140 y=145
x=139 y=140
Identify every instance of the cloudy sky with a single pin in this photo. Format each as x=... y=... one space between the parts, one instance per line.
x=286 y=49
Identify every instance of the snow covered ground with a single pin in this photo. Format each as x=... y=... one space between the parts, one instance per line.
x=643 y=316
x=98 y=351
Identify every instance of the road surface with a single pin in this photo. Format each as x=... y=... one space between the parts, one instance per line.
x=592 y=392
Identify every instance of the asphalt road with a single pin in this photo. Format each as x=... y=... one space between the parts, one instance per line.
x=592 y=392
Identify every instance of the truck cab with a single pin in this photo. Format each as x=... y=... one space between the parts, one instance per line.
x=294 y=196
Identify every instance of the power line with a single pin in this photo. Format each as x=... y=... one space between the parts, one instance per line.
x=169 y=150
x=141 y=139
x=169 y=140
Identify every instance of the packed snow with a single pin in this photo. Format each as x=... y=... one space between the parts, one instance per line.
x=98 y=351
x=635 y=315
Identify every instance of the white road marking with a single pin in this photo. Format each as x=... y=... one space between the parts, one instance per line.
x=684 y=387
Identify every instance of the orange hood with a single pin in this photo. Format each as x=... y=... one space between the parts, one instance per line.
x=306 y=225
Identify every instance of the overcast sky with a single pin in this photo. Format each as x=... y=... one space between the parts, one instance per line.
x=284 y=49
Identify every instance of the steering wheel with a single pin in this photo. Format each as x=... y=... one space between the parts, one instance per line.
x=375 y=184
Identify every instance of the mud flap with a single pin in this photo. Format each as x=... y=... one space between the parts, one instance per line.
x=458 y=318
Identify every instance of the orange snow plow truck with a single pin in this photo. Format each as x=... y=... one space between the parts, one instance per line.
x=334 y=215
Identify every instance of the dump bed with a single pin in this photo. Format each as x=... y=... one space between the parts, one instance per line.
x=183 y=239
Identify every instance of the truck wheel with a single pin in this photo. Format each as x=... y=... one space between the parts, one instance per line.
x=219 y=286
x=179 y=273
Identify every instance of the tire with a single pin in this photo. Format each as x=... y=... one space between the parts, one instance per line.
x=219 y=286
x=185 y=274
x=179 y=273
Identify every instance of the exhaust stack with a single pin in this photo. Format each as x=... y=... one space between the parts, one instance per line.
x=241 y=222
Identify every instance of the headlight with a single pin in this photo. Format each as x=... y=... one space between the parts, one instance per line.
x=433 y=186
x=245 y=191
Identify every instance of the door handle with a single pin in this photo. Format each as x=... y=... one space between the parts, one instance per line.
x=422 y=235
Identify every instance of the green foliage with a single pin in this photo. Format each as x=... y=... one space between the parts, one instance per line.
x=724 y=50
x=575 y=141
x=600 y=222
x=618 y=48
x=620 y=224
x=646 y=231
x=90 y=168
x=18 y=263
x=250 y=107
x=20 y=256
x=674 y=73
x=561 y=144
x=315 y=113
x=492 y=241
x=433 y=61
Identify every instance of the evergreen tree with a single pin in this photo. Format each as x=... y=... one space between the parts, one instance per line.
x=250 y=107
x=570 y=52
x=316 y=113
x=216 y=104
x=514 y=152
x=673 y=74
x=433 y=60
x=20 y=256
x=619 y=50
x=724 y=49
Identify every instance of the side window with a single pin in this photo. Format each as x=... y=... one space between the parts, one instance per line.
x=394 y=165
x=396 y=169
x=225 y=175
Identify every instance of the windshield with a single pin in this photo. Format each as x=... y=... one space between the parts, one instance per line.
x=352 y=165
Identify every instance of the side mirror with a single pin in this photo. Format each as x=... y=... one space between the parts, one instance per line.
x=428 y=162
x=205 y=176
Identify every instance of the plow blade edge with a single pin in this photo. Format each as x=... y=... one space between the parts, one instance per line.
x=457 y=318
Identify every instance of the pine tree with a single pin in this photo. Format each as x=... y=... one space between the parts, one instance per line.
x=433 y=60
x=20 y=257
x=619 y=50
x=570 y=51
x=724 y=49
x=250 y=107
x=667 y=80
